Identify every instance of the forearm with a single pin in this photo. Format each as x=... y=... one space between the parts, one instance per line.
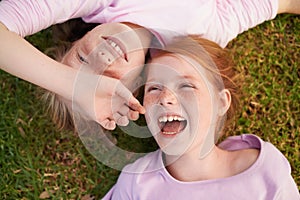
x=21 y=59
x=289 y=6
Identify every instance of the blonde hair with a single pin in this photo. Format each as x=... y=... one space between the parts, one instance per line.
x=63 y=35
x=58 y=109
x=215 y=60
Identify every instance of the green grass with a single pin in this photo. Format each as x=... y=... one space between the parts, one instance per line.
x=268 y=58
x=35 y=157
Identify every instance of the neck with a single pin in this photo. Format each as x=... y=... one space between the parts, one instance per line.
x=189 y=167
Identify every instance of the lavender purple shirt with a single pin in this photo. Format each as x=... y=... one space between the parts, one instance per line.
x=269 y=178
x=216 y=20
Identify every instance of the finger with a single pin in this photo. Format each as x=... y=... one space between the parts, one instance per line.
x=133 y=115
x=133 y=103
x=126 y=111
x=121 y=120
x=108 y=124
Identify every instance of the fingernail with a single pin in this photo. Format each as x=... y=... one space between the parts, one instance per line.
x=143 y=111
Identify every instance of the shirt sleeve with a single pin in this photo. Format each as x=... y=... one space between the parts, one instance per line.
x=282 y=182
x=26 y=17
x=108 y=195
x=237 y=16
x=289 y=190
x=123 y=188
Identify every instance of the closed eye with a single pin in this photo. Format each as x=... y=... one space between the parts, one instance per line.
x=153 y=88
x=187 y=85
x=82 y=59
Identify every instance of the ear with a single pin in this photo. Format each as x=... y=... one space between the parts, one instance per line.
x=225 y=101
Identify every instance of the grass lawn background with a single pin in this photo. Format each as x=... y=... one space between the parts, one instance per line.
x=35 y=157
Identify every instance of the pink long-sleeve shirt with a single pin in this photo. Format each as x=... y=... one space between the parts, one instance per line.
x=216 y=20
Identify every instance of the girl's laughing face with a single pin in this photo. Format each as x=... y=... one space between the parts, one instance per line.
x=111 y=49
x=180 y=104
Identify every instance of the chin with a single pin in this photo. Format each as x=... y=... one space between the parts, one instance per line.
x=174 y=150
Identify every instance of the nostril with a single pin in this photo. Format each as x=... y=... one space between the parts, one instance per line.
x=104 y=57
x=164 y=103
x=167 y=101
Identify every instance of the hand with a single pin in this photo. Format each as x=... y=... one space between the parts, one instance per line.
x=105 y=100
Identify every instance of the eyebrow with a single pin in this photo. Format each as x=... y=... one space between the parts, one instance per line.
x=187 y=77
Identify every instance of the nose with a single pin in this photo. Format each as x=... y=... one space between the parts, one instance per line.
x=105 y=57
x=167 y=97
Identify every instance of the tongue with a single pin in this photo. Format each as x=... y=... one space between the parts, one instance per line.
x=174 y=126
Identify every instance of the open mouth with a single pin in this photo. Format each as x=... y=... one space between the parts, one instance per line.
x=117 y=46
x=171 y=125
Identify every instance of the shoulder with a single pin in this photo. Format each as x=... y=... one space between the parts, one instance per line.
x=147 y=163
x=270 y=168
x=274 y=159
x=131 y=173
x=244 y=141
x=262 y=154
x=151 y=162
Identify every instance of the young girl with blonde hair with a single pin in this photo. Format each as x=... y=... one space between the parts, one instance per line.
x=189 y=92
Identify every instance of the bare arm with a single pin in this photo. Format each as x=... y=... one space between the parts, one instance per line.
x=21 y=59
x=289 y=6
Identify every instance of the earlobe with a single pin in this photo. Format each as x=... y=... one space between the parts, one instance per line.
x=225 y=101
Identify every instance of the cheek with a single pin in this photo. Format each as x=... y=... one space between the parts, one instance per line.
x=190 y=99
x=70 y=59
x=151 y=107
x=204 y=109
x=137 y=57
x=148 y=100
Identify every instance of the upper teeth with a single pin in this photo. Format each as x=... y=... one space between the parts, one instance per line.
x=115 y=46
x=170 y=118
